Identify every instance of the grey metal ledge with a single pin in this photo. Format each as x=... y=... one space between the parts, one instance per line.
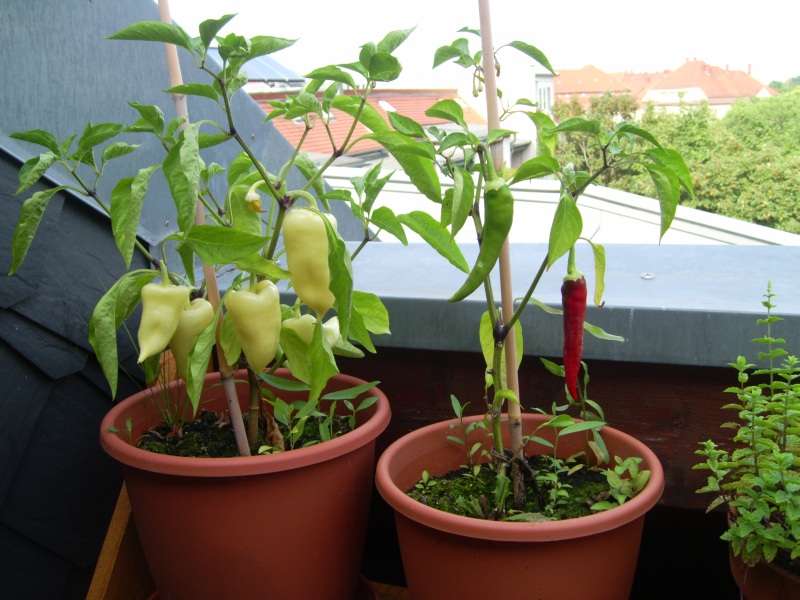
x=673 y=304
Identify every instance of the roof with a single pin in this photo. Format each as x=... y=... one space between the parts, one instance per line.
x=409 y=103
x=719 y=86
x=588 y=80
x=714 y=84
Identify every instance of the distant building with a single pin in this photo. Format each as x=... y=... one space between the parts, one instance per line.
x=692 y=83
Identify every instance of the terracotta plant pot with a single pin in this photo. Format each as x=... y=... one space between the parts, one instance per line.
x=291 y=525
x=450 y=556
x=764 y=581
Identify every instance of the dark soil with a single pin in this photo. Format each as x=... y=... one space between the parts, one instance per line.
x=585 y=487
x=210 y=435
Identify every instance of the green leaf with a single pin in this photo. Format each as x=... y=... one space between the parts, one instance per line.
x=534 y=53
x=672 y=160
x=406 y=125
x=463 y=198
x=195 y=89
x=383 y=67
x=546 y=136
x=541 y=166
x=211 y=27
x=457 y=50
x=33 y=169
x=566 y=229
x=369 y=117
x=151 y=119
x=341 y=276
x=351 y=393
x=182 y=168
x=259 y=265
x=498 y=134
x=600 y=333
x=154 y=31
x=199 y=355
x=638 y=131
x=486 y=335
x=393 y=39
x=579 y=125
x=217 y=245
x=416 y=159
x=39 y=137
x=599 y=272
x=111 y=310
x=358 y=331
x=116 y=150
x=29 y=219
x=94 y=135
x=438 y=237
x=384 y=217
x=127 y=198
x=333 y=73
x=261 y=45
x=309 y=170
x=668 y=191
x=372 y=310
x=241 y=217
x=449 y=110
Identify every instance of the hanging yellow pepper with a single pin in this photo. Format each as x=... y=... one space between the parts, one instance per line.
x=193 y=319
x=256 y=318
x=162 y=305
x=304 y=327
x=306 y=242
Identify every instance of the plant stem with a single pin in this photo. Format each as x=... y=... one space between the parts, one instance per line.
x=506 y=291
x=226 y=372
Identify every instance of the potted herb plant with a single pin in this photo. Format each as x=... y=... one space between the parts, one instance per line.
x=283 y=513
x=757 y=480
x=509 y=526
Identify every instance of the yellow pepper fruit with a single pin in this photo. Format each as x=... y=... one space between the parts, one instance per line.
x=193 y=320
x=306 y=242
x=162 y=305
x=256 y=319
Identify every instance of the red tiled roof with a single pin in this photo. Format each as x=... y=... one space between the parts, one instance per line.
x=718 y=85
x=409 y=103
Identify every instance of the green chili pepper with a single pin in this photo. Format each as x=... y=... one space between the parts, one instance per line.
x=498 y=206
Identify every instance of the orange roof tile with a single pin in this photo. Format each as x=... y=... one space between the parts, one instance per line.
x=409 y=103
x=719 y=85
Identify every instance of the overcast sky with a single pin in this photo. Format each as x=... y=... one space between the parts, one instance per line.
x=613 y=35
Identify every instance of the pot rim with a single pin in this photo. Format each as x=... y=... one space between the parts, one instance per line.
x=515 y=531
x=131 y=456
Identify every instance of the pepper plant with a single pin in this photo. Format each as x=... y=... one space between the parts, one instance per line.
x=268 y=234
x=482 y=192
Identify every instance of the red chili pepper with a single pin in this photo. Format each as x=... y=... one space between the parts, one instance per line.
x=573 y=302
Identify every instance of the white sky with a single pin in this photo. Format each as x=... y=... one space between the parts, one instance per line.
x=613 y=35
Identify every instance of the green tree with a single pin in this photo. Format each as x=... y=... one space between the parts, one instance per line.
x=743 y=165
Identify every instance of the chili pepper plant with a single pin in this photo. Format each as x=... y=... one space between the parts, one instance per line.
x=483 y=195
x=265 y=232
x=757 y=480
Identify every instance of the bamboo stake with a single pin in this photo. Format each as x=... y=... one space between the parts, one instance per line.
x=226 y=371
x=506 y=291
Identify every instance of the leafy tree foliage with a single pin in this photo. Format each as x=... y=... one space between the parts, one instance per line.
x=743 y=165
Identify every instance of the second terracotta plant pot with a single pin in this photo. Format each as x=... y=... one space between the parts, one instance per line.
x=450 y=556
x=290 y=525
